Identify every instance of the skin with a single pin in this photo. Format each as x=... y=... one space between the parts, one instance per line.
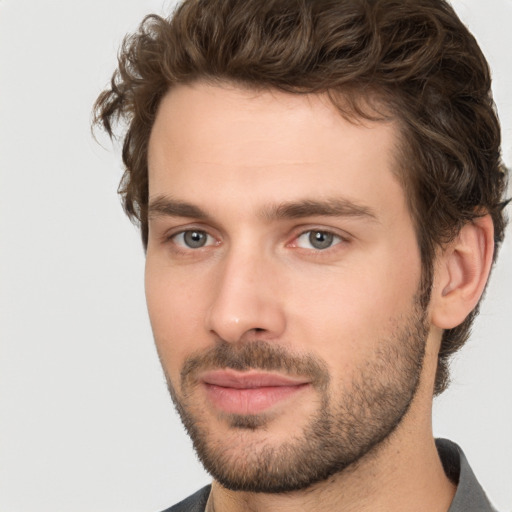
x=238 y=155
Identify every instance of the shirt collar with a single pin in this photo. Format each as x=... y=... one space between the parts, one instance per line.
x=469 y=497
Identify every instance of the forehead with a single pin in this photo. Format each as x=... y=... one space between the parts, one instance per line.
x=213 y=143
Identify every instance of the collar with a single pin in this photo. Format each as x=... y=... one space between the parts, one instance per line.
x=469 y=497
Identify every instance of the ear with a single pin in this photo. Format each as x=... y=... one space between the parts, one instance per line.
x=461 y=272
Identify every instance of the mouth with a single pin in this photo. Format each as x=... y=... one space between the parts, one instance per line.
x=250 y=392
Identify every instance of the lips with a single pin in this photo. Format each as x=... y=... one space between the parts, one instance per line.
x=249 y=392
x=249 y=380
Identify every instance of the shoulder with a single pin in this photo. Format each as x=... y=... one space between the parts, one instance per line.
x=194 y=503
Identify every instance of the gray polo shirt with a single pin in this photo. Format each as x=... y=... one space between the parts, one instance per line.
x=470 y=497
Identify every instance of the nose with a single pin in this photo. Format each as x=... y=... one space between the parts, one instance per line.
x=246 y=301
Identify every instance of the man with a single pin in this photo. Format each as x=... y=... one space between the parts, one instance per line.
x=320 y=194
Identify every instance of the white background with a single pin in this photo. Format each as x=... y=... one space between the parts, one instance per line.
x=85 y=421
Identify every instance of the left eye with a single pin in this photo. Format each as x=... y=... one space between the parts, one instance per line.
x=193 y=239
x=318 y=240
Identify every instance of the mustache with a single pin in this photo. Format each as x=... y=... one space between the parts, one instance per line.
x=254 y=355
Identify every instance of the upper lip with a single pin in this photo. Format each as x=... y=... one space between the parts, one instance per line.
x=249 y=379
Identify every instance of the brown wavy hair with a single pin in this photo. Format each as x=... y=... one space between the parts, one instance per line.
x=410 y=60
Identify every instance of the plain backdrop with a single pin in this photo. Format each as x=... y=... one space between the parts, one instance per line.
x=85 y=421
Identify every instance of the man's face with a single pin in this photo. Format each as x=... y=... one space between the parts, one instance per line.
x=282 y=282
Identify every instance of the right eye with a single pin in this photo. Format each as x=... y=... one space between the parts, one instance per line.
x=193 y=239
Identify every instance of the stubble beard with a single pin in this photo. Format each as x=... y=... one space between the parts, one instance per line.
x=341 y=432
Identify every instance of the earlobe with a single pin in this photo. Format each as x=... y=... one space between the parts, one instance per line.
x=461 y=273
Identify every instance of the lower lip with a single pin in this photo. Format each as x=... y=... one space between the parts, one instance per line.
x=250 y=400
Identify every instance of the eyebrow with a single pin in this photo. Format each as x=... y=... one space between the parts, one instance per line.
x=334 y=207
x=163 y=206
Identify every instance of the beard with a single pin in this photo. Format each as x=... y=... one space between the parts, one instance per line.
x=349 y=422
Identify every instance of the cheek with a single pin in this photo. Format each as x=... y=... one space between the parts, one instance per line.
x=344 y=316
x=176 y=311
